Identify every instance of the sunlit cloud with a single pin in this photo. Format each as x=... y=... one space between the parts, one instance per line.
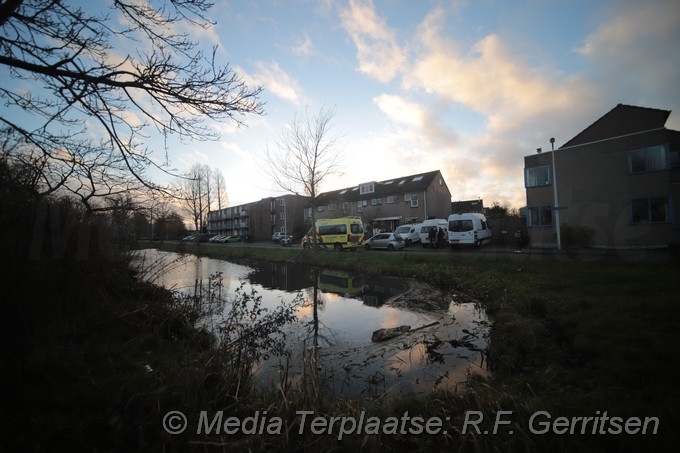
x=378 y=54
x=488 y=78
x=418 y=120
x=274 y=80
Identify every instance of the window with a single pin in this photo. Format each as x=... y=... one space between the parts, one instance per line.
x=650 y=210
x=345 y=205
x=333 y=229
x=651 y=158
x=283 y=216
x=361 y=204
x=460 y=226
x=414 y=200
x=407 y=197
x=418 y=178
x=540 y=216
x=366 y=188
x=332 y=207
x=392 y=199
x=320 y=208
x=376 y=201
x=538 y=176
x=282 y=202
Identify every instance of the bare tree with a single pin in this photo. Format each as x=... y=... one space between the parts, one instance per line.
x=82 y=109
x=220 y=189
x=307 y=153
x=193 y=191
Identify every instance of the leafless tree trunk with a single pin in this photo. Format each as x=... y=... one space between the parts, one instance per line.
x=192 y=193
x=220 y=188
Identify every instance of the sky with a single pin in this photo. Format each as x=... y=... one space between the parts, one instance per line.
x=465 y=87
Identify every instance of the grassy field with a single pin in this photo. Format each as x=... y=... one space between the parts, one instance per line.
x=574 y=339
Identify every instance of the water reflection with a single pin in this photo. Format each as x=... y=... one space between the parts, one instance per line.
x=336 y=320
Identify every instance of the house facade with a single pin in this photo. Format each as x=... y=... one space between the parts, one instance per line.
x=389 y=203
x=259 y=220
x=618 y=181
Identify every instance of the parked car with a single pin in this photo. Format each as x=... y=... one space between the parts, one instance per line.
x=278 y=236
x=216 y=238
x=389 y=241
x=233 y=238
x=188 y=238
x=410 y=232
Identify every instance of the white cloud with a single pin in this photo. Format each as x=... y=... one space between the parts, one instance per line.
x=489 y=78
x=420 y=122
x=274 y=80
x=378 y=54
x=305 y=48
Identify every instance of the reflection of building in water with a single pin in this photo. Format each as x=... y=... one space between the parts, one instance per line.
x=377 y=290
x=342 y=283
x=373 y=291
x=287 y=277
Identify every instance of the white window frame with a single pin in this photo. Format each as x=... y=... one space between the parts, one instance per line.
x=366 y=188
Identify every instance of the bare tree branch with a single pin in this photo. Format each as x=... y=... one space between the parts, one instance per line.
x=85 y=113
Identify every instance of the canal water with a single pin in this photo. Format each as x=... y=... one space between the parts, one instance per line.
x=444 y=344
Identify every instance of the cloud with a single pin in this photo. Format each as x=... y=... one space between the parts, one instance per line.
x=636 y=53
x=273 y=79
x=305 y=48
x=489 y=78
x=378 y=54
x=630 y=57
x=419 y=121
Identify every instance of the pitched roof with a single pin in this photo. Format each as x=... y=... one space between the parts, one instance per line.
x=621 y=120
x=400 y=185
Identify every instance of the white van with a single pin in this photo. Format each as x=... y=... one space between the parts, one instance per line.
x=410 y=232
x=468 y=228
x=427 y=225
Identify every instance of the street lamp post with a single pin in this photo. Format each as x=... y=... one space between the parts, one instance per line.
x=556 y=208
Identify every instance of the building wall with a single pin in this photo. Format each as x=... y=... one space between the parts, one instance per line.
x=260 y=219
x=433 y=201
x=596 y=187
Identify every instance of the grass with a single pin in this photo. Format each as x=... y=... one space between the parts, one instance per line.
x=571 y=338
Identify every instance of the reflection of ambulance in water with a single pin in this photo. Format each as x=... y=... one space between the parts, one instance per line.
x=341 y=282
x=339 y=234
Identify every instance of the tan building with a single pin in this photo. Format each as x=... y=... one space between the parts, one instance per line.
x=259 y=220
x=618 y=182
x=387 y=204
